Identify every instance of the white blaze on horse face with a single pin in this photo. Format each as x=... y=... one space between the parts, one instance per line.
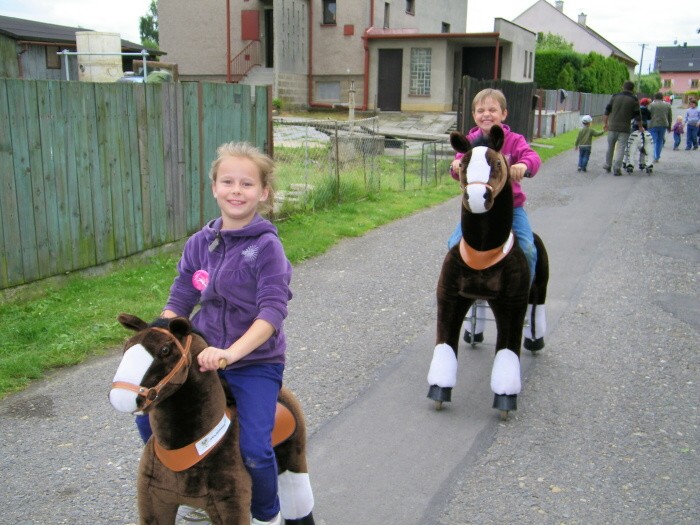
x=135 y=362
x=478 y=173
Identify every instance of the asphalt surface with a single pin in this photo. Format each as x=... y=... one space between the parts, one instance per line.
x=606 y=429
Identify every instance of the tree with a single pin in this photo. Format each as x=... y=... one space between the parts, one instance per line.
x=148 y=27
x=649 y=84
x=552 y=42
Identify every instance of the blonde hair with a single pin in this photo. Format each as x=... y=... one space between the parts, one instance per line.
x=495 y=94
x=264 y=163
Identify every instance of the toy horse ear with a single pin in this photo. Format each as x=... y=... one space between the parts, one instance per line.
x=459 y=142
x=496 y=138
x=179 y=326
x=131 y=322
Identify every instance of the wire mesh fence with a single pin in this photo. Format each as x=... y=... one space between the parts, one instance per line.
x=325 y=162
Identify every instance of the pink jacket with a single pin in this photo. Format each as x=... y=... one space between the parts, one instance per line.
x=515 y=149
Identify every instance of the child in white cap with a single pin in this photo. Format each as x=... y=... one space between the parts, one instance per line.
x=584 y=141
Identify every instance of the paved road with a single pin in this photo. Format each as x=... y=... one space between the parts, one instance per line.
x=607 y=425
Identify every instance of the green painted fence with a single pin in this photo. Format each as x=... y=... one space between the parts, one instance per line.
x=95 y=172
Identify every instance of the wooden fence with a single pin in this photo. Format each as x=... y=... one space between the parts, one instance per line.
x=95 y=172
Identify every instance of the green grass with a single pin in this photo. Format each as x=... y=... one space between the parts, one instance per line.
x=62 y=322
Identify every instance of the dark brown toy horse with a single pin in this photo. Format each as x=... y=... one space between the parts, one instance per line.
x=488 y=264
x=193 y=457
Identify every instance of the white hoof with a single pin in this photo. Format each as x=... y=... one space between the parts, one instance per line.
x=505 y=374
x=443 y=367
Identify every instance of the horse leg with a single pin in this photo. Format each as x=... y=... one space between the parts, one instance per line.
x=505 y=373
x=536 y=315
x=294 y=486
x=476 y=320
x=442 y=375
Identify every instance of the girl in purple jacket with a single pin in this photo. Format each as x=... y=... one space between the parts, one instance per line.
x=236 y=271
x=488 y=109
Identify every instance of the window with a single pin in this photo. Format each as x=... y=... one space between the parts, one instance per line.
x=445 y=27
x=667 y=82
x=411 y=7
x=387 y=9
x=328 y=12
x=525 y=65
x=328 y=91
x=53 y=60
x=420 y=71
x=694 y=83
x=529 y=70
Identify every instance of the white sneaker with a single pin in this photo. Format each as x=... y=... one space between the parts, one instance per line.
x=277 y=520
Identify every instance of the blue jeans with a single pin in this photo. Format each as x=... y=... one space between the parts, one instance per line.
x=691 y=139
x=658 y=133
x=255 y=389
x=521 y=229
x=584 y=153
x=676 y=140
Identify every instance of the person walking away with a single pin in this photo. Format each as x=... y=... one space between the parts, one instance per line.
x=677 y=132
x=236 y=271
x=692 y=121
x=584 y=141
x=622 y=108
x=659 y=123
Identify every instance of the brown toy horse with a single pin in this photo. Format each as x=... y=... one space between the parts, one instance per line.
x=488 y=264
x=193 y=457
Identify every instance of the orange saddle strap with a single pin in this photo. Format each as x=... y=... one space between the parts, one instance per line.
x=183 y=458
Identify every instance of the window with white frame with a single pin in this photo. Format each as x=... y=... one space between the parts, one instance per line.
x=387 y=13
x=667 y=82
x=411 y=7
x=420 y=71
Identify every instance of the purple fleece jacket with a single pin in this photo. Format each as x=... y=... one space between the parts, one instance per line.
x=249 y=277
x=515 y=149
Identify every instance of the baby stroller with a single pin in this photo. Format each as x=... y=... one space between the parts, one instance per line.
x=639 y=148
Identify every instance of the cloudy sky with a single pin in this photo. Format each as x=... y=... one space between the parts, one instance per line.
x=657 y=23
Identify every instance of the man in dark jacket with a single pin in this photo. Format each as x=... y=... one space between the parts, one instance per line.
x=619 y=112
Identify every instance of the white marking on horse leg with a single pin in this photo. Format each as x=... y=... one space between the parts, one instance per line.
x=505 y=374
x=295 y=494
x=443 y=367
x=540 y=326
x=133 y=367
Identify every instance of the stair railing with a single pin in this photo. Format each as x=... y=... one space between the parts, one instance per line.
x=245 y=61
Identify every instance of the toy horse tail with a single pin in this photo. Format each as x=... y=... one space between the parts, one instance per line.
x=295 y=494
x=536 y=317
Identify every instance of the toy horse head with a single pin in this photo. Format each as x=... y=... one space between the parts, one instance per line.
x=156 y=362
x=483 y=170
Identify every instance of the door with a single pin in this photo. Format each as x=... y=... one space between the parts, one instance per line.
x=390 y=66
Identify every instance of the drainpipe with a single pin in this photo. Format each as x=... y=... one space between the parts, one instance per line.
x=228 y=41
x=495 y=66
x=365 y=73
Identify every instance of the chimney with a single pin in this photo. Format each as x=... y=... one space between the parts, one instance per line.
x=559 y=4
x=582 y=19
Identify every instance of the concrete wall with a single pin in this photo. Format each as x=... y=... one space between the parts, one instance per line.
x=522 y=41
x=442 y=73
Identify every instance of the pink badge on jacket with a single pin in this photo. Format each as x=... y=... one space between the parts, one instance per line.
x=200 y=279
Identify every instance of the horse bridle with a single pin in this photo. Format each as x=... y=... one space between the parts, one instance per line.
x=151 y=394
